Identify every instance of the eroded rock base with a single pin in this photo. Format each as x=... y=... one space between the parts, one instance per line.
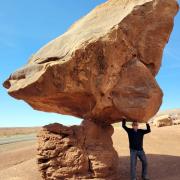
x=77 y=152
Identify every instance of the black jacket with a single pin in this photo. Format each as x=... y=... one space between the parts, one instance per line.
x=136 y=137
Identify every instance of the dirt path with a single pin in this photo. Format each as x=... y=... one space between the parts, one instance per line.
x=18 y=161
x=26 y=170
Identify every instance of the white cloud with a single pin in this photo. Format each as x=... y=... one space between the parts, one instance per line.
x=173 y=58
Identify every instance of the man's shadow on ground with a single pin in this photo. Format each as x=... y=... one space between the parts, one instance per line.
x=160 y=167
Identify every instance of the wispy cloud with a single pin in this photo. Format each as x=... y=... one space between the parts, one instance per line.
x=172 y=53
x=7 y=43
x=173 y=58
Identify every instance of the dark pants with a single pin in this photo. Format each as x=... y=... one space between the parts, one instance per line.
x=133 y=161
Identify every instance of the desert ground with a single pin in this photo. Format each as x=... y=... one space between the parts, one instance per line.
x=162 y=146
x=6 y=132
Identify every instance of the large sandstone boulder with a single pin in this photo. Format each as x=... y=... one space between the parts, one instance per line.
x=77 y=152
x=104 y=66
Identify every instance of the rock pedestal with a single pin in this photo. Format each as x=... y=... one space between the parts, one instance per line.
x=77 y=152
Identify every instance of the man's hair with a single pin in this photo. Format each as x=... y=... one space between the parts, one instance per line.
x=134 y=122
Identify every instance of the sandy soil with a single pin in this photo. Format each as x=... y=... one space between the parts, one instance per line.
x=162 y=147
x=18 y=161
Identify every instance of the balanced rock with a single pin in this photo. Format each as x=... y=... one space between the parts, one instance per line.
x=104 y=66
x=77 y=152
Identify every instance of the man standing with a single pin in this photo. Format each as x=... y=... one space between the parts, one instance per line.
x=136 y=148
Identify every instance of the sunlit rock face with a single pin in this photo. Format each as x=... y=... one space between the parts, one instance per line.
x=104 y=66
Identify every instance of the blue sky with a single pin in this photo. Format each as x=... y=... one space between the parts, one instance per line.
x=25 y=26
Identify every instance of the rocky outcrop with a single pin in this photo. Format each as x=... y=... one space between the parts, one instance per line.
x=77 y=152
x=164 y=120
x=104 y=66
